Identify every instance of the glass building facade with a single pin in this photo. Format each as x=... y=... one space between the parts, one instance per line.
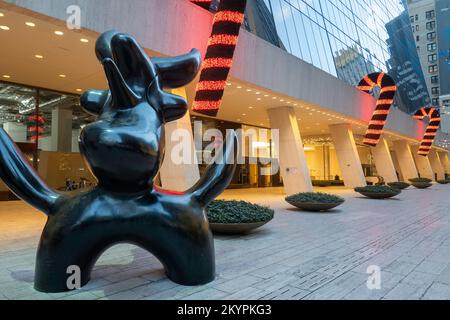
x=348 y=39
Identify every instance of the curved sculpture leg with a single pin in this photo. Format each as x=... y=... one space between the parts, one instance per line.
x=65 y=267
x=189 y=265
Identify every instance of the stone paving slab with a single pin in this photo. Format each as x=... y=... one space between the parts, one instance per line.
x=299 y=255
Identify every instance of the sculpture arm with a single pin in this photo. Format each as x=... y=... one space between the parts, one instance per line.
x=218 y=175
x=22 y=179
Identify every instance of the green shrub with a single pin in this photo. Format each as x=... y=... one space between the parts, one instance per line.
x=377 y=189
x=314 y=197
x=399 y=185
x=337 y=182
x=231 y=211
x=422 y=185
x=443 y=181
x=420 y=180
x=321 y=183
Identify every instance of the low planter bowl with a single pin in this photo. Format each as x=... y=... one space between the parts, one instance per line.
x=237 y=217
x=422 y=185
x=235 y=228
x=315 y=202
x=378 y=192
x=399 y=185
x=315 y=206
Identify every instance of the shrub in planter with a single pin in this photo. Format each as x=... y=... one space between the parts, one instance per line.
x=378 y=192
x=399 y=185
x=420 y=180
x=337 y=183
x=230 y=216
x=443 y=181
x=315 y=201
x=321 y=183
x=422 y=185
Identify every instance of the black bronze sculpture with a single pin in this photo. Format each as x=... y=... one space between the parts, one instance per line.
x=124 y=149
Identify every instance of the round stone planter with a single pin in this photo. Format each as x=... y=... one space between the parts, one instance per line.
x=315 y=206
x=399 y=186
x=235 y=228
x=422 y=185
x=379 y=195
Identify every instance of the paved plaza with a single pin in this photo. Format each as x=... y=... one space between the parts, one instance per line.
x=299 y=255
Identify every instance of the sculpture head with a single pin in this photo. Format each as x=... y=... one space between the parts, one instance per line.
x=124 y=148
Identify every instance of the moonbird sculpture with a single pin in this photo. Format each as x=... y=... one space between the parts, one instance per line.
x=124 y=150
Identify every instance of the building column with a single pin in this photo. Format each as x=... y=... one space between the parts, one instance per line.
x=61 y=139
x=423 y=164
x=179 y=176
x=443 y=156
x=293 y=166
x=347 y=154
x=17 y=132
x=405 y=160
x=397 y=167
x=436 y=164
x=383 y=161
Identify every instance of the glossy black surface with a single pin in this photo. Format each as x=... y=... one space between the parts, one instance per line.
x=124 y=149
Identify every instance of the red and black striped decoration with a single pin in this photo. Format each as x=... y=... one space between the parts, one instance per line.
x=205 y=4
x=219 y=56
x=433 y=126
x=35 y=126
x=384 y=102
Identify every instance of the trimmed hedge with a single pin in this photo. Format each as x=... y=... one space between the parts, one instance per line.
x=314 y=197
x=231 y=211
x=327 y=183
x=443 y=181
x=321 y=183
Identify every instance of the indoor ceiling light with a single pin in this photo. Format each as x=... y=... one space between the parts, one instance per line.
x=62 y=75
x=249 y=90
x=78 y=90
x=244 y=114
x=84 y=40
x=39 y=56
x=6 y=76
x=1 y=14
x=6 y=28
x=59 y=33
x=239 y=87
x=30 y=24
